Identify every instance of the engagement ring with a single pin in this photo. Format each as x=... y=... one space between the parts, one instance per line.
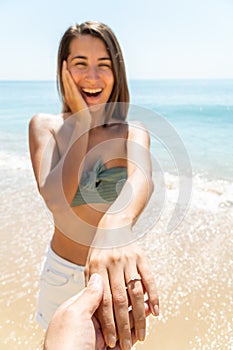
x=134 y=278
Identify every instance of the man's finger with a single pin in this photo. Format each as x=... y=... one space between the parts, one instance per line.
x=93 y=293
x=90 y=297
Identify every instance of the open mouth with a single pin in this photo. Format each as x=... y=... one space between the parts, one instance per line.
x=92 y=92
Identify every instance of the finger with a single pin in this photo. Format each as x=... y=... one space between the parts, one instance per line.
x=65 y=82
x=148 y=281
x=147 y=313
x=133 y=335
x=88 y=299
x=91 y=296
x=65 y=75
x=70 y=81
x=69 y=85
x=100 y=343
x=120 y=303
x=105 y=313
x=93 y=293
x=135 y=291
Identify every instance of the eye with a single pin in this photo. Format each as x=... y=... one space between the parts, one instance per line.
x=105 y=66
x=80 y=64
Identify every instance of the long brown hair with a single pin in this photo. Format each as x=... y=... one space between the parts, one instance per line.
x=120 y=92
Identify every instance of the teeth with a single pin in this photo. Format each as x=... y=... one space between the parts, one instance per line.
x=92 y=91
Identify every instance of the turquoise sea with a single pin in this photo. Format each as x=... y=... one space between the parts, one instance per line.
x=201 y=111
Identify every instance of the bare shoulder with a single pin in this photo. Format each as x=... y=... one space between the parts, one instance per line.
x=42 y=121
x=43 y=128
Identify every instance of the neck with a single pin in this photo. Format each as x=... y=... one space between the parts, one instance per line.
x=98 y=116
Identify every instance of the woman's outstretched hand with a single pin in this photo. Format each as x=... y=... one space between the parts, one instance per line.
x=126 y=276
x=74 y=326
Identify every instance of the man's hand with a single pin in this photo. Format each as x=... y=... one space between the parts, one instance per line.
x=73 y=326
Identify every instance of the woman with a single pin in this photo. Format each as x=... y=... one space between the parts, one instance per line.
x=93 y=170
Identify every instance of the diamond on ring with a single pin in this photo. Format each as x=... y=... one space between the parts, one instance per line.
x=134 y=278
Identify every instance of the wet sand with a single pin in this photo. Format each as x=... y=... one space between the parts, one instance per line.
x=193 y=267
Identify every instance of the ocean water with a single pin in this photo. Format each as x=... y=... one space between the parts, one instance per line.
x=193 y=264
x=200 y=111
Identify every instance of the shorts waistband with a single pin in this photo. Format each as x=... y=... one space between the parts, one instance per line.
x=66 y=265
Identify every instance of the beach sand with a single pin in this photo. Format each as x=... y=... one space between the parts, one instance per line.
x=193 y=267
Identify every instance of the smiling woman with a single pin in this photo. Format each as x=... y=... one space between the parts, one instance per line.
x=93 y=170
x=110 y=58
x=91 y=69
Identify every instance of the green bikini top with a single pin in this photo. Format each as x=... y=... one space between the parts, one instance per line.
x=101 y=185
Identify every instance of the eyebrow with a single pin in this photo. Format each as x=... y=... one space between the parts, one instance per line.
x=85 y=58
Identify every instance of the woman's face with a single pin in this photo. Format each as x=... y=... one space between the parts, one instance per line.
x=91 y=68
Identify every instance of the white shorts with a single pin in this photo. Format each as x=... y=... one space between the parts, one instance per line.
x=60 y=280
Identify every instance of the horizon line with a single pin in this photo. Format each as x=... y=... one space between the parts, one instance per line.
x=133 y=79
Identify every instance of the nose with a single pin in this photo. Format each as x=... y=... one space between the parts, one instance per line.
x=92 y=74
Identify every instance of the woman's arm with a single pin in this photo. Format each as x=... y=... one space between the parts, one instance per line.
x=123 y=259
x=138 y=188
x=57 y=175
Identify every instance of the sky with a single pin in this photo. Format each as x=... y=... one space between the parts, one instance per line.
x=160 y=39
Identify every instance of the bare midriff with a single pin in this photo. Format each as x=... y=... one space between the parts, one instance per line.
x=76 y=251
